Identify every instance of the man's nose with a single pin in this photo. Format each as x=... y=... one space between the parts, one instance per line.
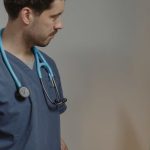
x=58 y=25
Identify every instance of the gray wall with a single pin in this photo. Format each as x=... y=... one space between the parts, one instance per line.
x=103 y=55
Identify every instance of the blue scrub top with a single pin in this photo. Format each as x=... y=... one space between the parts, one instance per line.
x=30 y=124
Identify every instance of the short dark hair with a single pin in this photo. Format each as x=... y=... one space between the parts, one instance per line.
x=13 y=7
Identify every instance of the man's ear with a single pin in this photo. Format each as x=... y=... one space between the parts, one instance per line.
x=26 y=15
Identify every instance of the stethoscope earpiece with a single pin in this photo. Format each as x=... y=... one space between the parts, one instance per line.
x=22 y=93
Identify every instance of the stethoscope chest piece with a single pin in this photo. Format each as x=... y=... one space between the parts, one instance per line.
x=22 y=93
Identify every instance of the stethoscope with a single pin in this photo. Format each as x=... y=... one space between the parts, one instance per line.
x=23 y=92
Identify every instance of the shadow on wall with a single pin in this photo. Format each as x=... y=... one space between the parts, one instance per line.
x=128 y=136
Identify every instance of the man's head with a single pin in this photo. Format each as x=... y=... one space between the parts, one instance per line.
x=39 y=19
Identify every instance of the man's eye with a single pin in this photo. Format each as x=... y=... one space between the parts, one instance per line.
x=55 y=17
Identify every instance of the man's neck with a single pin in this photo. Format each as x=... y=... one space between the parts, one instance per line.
x=14 y=42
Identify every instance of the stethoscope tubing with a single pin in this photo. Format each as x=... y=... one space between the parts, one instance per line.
x=38 y=57
x=5 y=59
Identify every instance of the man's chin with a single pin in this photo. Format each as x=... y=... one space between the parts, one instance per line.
x=44 y=44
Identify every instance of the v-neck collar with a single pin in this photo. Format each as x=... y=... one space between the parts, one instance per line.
x=17 y=60
x=31 y=73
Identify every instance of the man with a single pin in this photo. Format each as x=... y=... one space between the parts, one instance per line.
x=29 y=124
